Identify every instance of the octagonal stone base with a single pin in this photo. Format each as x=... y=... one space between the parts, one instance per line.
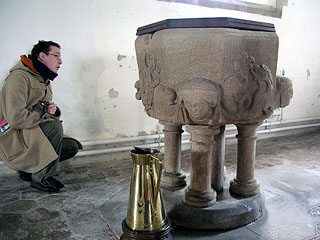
x=227 y=213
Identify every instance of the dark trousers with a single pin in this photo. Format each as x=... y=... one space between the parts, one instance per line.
x=65 y=148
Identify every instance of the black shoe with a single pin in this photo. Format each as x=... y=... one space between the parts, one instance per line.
x=56 y=183
x=44 y=185
x=25 y=176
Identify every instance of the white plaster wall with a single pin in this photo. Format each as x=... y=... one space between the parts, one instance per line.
x=95 y=86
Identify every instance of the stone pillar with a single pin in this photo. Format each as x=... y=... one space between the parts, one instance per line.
x=200 y=193
x=218 y=160
x=244 y=184
x=172 y=176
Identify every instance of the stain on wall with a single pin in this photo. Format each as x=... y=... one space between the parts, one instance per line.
x=120 y=57
x=142 y=133
x=113 y=93
x=121 y=135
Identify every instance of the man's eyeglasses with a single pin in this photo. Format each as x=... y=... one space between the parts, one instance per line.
x=55 y=55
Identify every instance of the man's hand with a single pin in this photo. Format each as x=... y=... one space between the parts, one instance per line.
x=52 y=109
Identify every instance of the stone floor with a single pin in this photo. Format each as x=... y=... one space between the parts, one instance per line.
x=94 y=202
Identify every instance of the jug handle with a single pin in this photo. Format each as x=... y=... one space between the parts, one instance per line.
x=159 y=179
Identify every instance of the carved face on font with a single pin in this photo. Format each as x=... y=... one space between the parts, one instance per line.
x=201 y=104
x=200 y=98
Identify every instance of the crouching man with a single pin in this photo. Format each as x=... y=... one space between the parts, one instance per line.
x=31 y=133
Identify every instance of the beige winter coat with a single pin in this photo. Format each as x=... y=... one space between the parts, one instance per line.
x=24 y=146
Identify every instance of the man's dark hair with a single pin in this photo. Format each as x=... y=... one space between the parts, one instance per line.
x=43 y=46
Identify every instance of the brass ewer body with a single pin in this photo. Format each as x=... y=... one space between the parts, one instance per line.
x=145 y=209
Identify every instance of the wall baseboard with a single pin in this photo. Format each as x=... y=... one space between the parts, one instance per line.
x=118 y=149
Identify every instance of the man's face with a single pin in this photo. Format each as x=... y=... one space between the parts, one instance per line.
x=201 y=104
x=52 y=60
x=197 y=107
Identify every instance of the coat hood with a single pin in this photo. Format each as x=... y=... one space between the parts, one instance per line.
x=25 y=64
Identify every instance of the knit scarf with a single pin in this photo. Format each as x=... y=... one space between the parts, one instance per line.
x=43 y=70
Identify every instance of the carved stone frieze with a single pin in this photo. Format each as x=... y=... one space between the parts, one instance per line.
x=149 y=80
x=253 y=94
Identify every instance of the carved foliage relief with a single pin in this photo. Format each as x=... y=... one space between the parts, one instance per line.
x=249 y=93
x=149 y=80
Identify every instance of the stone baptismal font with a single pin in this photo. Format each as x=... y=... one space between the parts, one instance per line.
x=205 y=73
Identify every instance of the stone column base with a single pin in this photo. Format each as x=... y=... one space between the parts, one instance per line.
x=199 y=199
x=244 y=189
x=173 y=180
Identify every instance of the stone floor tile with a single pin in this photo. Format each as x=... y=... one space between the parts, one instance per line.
x=9 y=220
x=96 y=175
x=41 y=215
x=30 y=193
x=9 y=197
x=58 y=225
x=37 y=231
x=61 y=234
x=19 y=206
x=53 y=200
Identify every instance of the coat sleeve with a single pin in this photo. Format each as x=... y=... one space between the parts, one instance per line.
x=14 y=103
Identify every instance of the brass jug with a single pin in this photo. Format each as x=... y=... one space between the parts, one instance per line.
x=145 y=209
